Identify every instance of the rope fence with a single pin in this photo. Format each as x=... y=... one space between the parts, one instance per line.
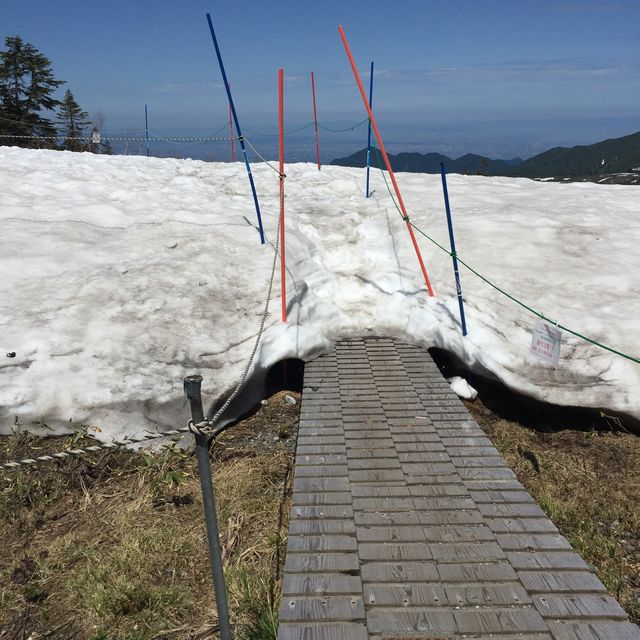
x=208 y=427
x=492 y=284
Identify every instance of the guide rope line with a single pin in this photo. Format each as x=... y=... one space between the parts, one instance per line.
x=158 y=138
x=175 y=139
x=262 y=157
x=206 y=427
x=539 y=314
x=275 y=135
x=154 y=138
x=355 y=126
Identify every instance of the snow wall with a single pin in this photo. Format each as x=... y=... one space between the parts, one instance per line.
x=120 y=275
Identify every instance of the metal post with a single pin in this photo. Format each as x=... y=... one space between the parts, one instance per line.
x=367 y=194
x=452 y=241
x=238 y=131
x=192 y=388
x=146 y=127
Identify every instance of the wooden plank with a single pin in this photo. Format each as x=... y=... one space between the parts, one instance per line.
x=525 y=620
x=321 y=562
x=372 y=463
x=321 y=608
x=321 y=584
x=560 y=581
x=585 y=630
x=320 y=526
x=424 y=456
x=477 y=572
x=465 y=552
x=578 y=606
x=424 y=534
x=330 y=542
x=322 y=471
x=334 y=498
x=429 y=623
x=319 y=459
x=322 y=631
x=497 y=497
x=438 y=490
x=511 y=510
x=306 y=512
x=401 y=572
x=530 y=560
x=377 y=491
x=532 y=541
x=521 y=525
x=443 y=595
x=321 y=450
x=376 y=475
x=394 y=551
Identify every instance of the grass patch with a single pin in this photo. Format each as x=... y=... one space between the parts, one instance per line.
x=113 y=547
x=588 y=483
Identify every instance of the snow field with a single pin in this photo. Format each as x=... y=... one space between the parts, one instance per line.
x=123 y=274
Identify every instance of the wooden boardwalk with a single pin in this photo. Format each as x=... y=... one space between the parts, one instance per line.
x=407 y=523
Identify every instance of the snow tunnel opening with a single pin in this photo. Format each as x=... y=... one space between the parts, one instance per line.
x=284 y=375
x=530 y=412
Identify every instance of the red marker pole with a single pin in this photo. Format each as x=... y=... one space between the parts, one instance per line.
x=283 y=266
x=386 y=159
x=315 y=119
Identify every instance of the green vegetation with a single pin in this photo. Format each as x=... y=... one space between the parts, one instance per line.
x=27 y=86
x=113 y=546
x=27 y=95
x=588 y=483
x=618 y=155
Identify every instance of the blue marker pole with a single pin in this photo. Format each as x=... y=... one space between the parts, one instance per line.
x=366 y=193
x=239 y=132
x=146 y=127
x=454 y=257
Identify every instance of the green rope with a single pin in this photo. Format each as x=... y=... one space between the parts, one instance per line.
x=355 y=126
x=539 y=314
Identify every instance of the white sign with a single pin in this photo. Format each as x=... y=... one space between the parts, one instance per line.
x=545 y=342
x=95 y=137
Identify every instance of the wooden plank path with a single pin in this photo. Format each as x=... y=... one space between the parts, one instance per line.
x=407 y=523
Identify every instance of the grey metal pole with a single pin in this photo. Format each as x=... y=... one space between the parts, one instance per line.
x=192 y=388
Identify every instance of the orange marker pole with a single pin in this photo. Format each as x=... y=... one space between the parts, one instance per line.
x=283 y=266
x=315 y=119
x=386 y=159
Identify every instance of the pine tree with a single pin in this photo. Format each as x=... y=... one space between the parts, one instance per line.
x=73 y=120
x=26 y=90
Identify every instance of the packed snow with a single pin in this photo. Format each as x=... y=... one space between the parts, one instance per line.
x=120 y=275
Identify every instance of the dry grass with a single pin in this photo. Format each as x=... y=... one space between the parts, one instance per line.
x=588 y=482
x=114 y=547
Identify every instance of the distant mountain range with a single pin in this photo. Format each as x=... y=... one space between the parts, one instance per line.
x=617 y=155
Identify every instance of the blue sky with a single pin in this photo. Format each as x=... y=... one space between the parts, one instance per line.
x=505 y=77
